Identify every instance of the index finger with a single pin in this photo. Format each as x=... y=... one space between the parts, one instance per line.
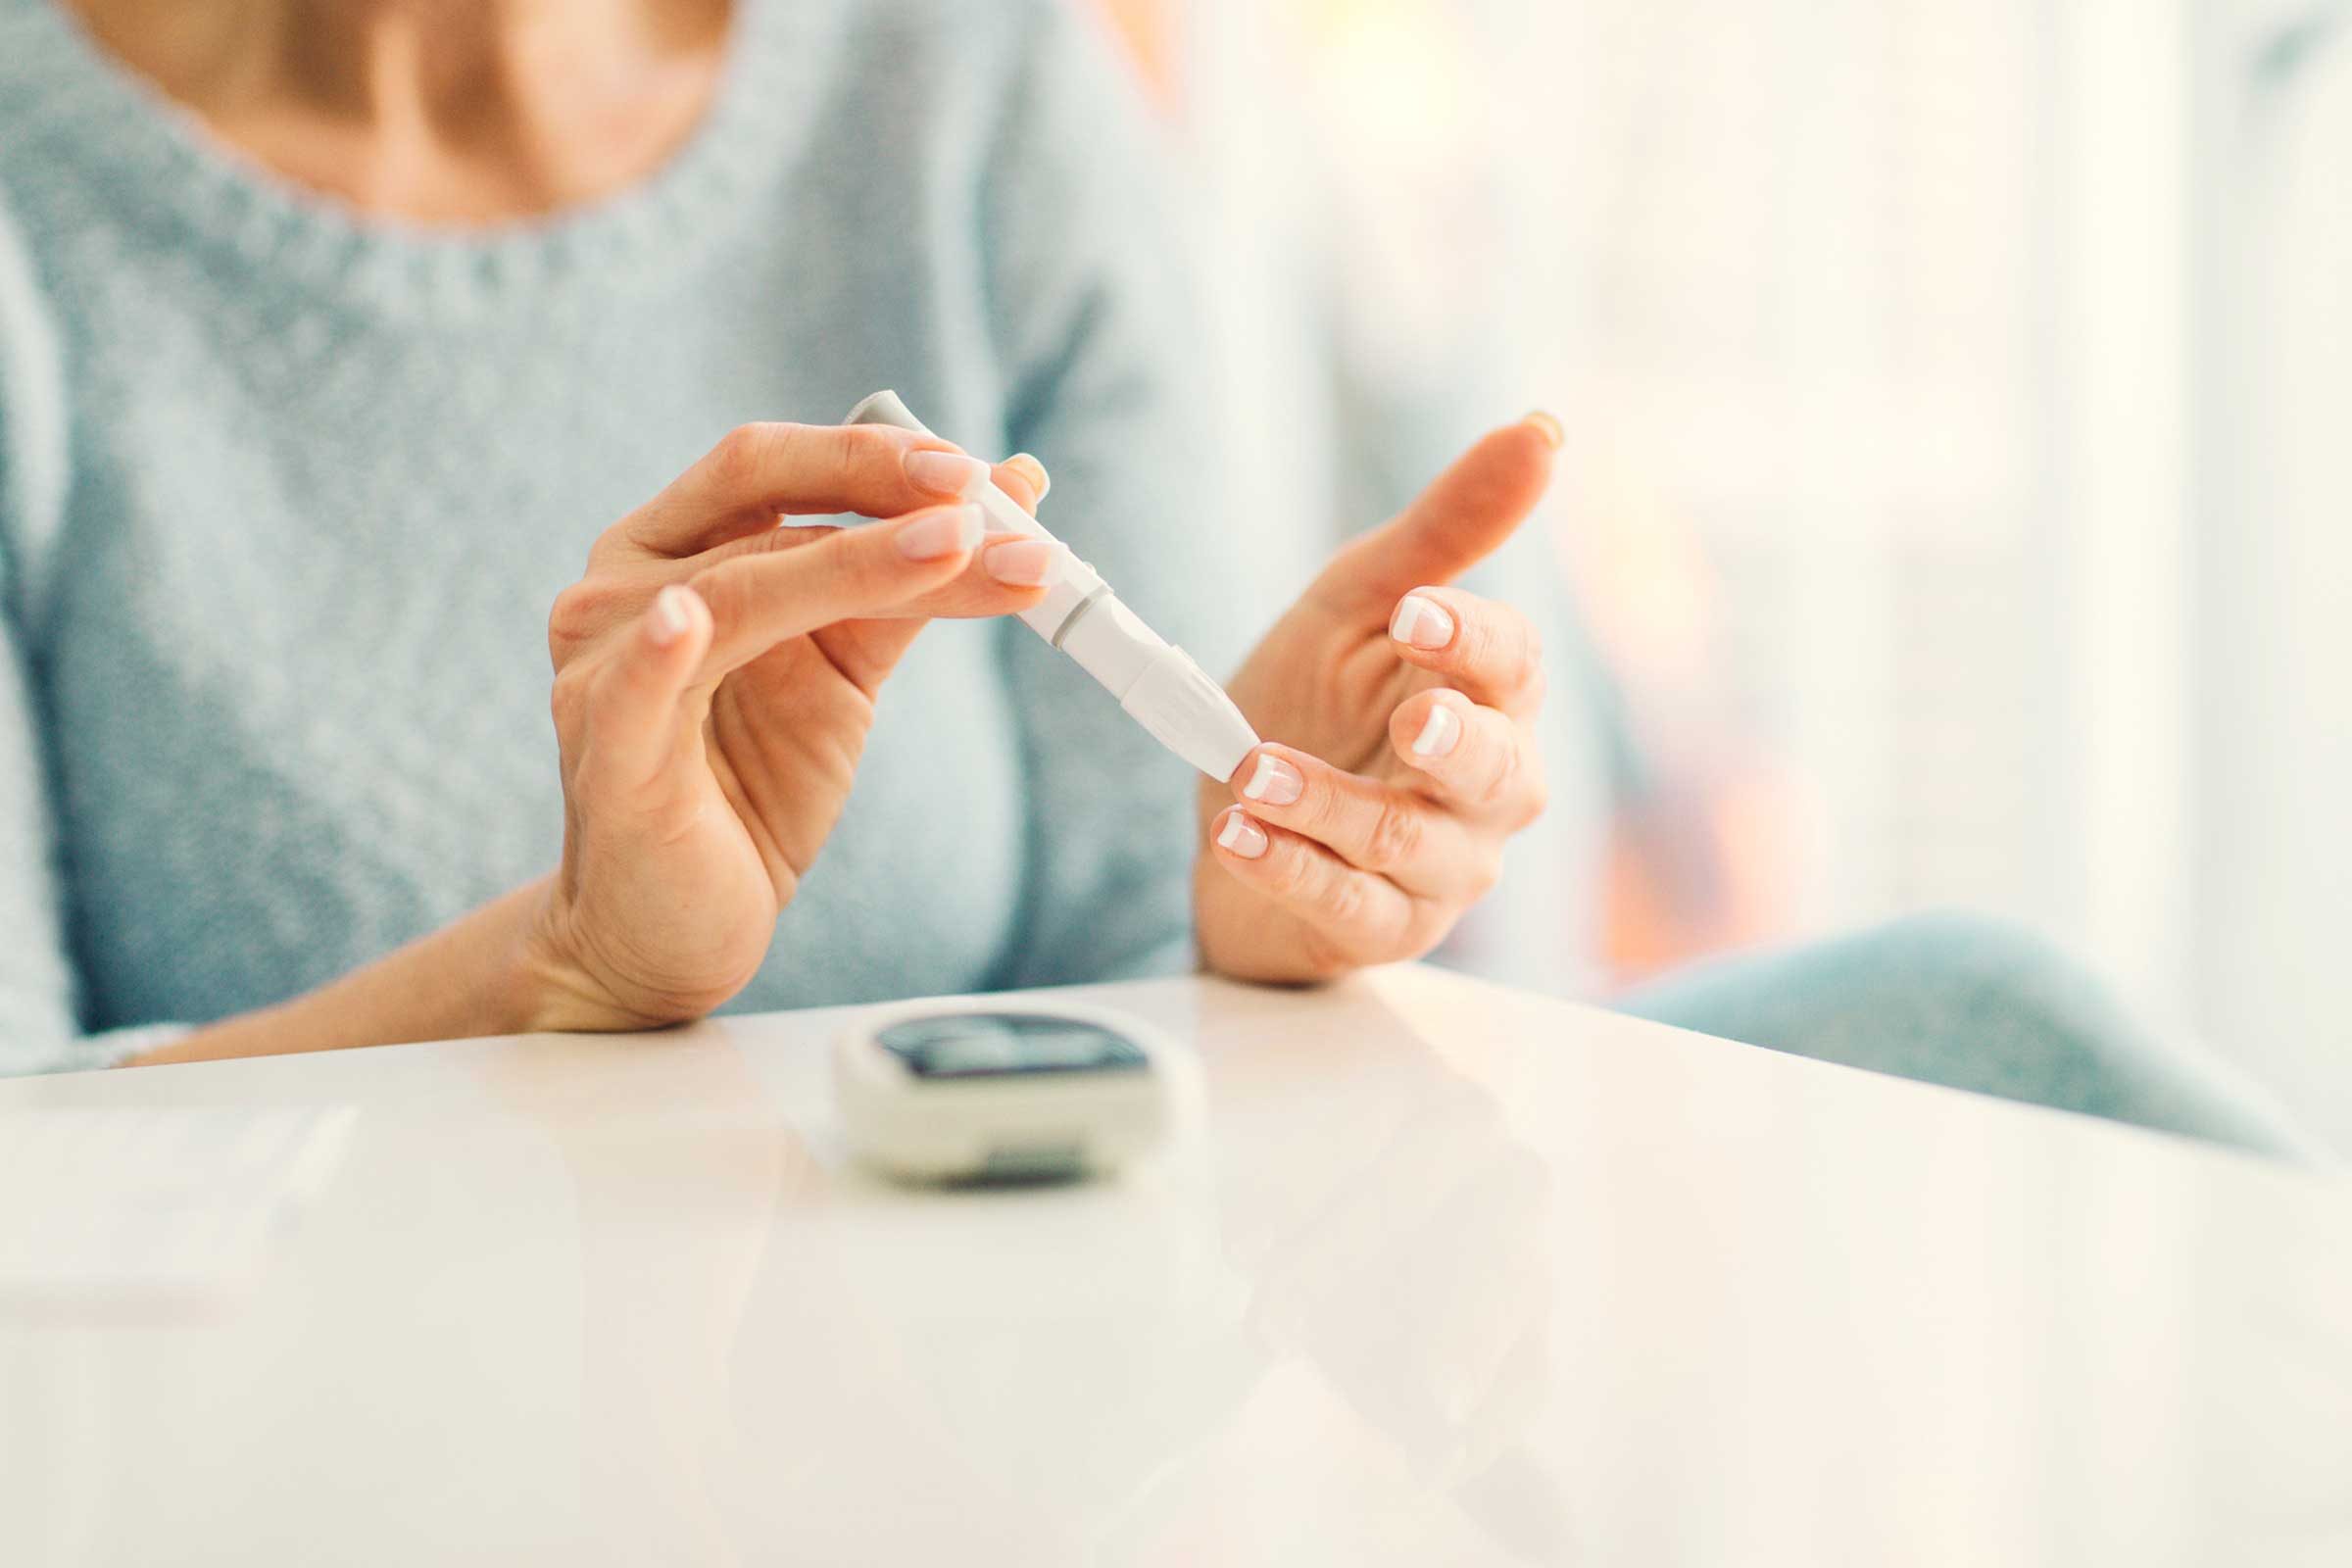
x=757 y=473
x=1462 y=518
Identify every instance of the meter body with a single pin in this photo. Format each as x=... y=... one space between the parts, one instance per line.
x=1031 y=1091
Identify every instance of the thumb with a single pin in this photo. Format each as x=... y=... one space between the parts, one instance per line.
x=1460 y=520
x=635 y=701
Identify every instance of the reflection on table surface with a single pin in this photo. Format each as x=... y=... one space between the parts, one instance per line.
x=1439 y=1273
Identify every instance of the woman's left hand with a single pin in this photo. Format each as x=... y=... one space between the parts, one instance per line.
x=1403 y=754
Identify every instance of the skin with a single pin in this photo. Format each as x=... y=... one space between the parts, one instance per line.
x=446 y=112
x=1367 y=849
x=716 y=668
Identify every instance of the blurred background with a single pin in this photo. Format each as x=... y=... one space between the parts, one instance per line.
x=1959 y=462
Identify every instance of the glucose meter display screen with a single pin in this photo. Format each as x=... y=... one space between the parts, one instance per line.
x=978 y=1044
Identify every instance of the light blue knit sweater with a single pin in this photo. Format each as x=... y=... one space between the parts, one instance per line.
x=285 y=494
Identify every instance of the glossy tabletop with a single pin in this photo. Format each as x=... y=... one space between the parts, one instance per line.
x=1440 y=1273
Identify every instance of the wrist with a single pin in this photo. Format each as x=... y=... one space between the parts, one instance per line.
x=501 y=970
x=536 y=988
x=552 y=984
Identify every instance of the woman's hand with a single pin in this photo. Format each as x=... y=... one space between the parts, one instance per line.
x=716 y=677
x=1406 y=753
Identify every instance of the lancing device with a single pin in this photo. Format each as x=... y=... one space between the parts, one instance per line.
x=1154 y=680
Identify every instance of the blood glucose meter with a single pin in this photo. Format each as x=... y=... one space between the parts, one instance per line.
x=1032 y=1091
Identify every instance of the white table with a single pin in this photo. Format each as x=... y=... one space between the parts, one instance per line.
x=1448 y=1275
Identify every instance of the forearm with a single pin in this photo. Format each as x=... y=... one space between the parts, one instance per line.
x=480 y=975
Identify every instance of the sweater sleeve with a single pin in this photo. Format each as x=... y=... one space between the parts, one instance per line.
x=1099 y=346
x=41 y=1028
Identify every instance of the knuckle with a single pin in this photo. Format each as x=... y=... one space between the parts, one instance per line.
x=1502 y=780
x=1476 y=642
x=721 y=592
x=1522 y=661
x=874 y=572
x=1528 y=677
x=580 y=611
x=607 y=694
x=846 y=448
x=1502 y=644
x=1512 y=662
x=1393 y=838
x=612 y=546
x=570 y=608
x=741 y=454
x=848 y=569
x=1321 y=809
x=1486 y=873
x=562 y=619
x=1289 y=873
x=1535 y=789
x=1343 y=902
x=567 y=698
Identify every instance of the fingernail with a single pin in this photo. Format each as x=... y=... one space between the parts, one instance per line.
x=1241 y=835
x=1438 y=732
x=1039 y=480
x=944 y=473
x=672 y=613
x=1421 y=623
x=940 y=533
x=1023 y=563
x=1275 y=782
x=1549 y=425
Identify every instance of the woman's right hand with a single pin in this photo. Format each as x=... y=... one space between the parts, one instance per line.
x=715 y=676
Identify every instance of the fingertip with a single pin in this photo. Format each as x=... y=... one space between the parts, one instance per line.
x=1024 y=478
x=1039 y=480
x=1421 y=623
x=1529 y=442
x=1239 y=835
x=1015 y=561
x=1246 y=771
x=939 y=535
x=676 y=613
x=1267 y=777
x=1440 y=730
x=1461 y=518
x=971 y=590
x=942 y=470
x=1510 y=467
x=1426 y=728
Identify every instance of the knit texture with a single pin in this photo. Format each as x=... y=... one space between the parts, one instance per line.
x=286 y=492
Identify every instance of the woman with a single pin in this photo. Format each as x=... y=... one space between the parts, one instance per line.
x=365 y=317
x=336 y=331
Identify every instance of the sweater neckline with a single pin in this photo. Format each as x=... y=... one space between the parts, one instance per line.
x=147 y=145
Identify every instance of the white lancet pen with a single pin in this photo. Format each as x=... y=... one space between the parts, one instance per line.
x=1154 y=680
